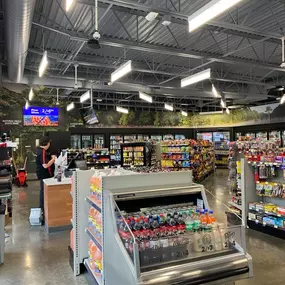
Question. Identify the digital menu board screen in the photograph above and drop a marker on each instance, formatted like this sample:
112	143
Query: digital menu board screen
40	116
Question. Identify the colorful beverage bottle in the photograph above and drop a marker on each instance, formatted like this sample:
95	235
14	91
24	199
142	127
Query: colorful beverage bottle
203	219
211	218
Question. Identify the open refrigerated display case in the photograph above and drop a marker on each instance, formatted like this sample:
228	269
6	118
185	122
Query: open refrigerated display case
115	148
136	154
135	233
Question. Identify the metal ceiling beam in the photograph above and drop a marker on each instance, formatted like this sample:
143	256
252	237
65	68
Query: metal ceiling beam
180	18
143	47
90	63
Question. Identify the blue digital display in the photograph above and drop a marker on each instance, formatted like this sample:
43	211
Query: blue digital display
40	116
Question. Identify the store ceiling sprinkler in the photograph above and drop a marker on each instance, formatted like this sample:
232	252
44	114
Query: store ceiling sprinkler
94	42
31	94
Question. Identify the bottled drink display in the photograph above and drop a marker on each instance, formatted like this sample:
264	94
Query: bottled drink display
169	233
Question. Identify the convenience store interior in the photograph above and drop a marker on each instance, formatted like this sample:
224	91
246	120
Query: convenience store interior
143	88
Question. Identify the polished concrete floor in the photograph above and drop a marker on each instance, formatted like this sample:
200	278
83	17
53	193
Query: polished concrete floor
34	258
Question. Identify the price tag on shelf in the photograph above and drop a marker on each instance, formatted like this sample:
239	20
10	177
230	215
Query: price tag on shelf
279	215
256	221
264	223
275	227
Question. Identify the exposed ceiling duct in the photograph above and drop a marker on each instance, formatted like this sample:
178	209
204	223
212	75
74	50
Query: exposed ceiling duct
18	16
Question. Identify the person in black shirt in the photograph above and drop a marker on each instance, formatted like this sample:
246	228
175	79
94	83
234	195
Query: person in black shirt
45	166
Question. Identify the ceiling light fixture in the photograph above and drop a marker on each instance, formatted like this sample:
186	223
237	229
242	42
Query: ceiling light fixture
145	97
121	71
70	106
205	74
211	113
223	103
209	12
228	111
184	113
282	100
166	20
84	97
99	100
168	107
151	16
214	91
44	64
122	110
31	94
68	4
27	105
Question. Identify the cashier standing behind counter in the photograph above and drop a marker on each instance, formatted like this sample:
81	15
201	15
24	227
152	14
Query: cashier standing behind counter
45	166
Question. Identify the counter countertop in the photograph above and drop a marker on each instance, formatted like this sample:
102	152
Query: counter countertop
53	181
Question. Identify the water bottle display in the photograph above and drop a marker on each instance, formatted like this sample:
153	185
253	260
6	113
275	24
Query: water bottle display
171	233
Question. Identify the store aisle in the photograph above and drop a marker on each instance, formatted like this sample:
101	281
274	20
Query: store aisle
268	252
32	257
35	258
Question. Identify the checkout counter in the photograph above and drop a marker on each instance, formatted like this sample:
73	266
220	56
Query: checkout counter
58	204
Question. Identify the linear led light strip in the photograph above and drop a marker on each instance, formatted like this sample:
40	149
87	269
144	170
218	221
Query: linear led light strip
168	107
43	64
145	97
121	71
84	97
192	79
70	106
209	12
211	113
68	4
122	110
31	94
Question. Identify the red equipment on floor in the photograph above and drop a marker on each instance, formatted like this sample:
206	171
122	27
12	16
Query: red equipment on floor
21	176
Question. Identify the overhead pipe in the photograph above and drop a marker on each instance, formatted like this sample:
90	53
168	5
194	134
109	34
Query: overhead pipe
18	24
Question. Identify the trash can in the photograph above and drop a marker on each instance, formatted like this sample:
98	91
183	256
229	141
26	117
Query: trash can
2	231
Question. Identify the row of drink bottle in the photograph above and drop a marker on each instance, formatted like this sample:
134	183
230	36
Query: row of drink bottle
163	228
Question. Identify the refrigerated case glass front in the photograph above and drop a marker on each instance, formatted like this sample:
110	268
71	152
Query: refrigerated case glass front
143	138
87	141
180	137
170	237
275	135
130	138
156	138
115	148
262	135
168	137
75	141
99	141
207	136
